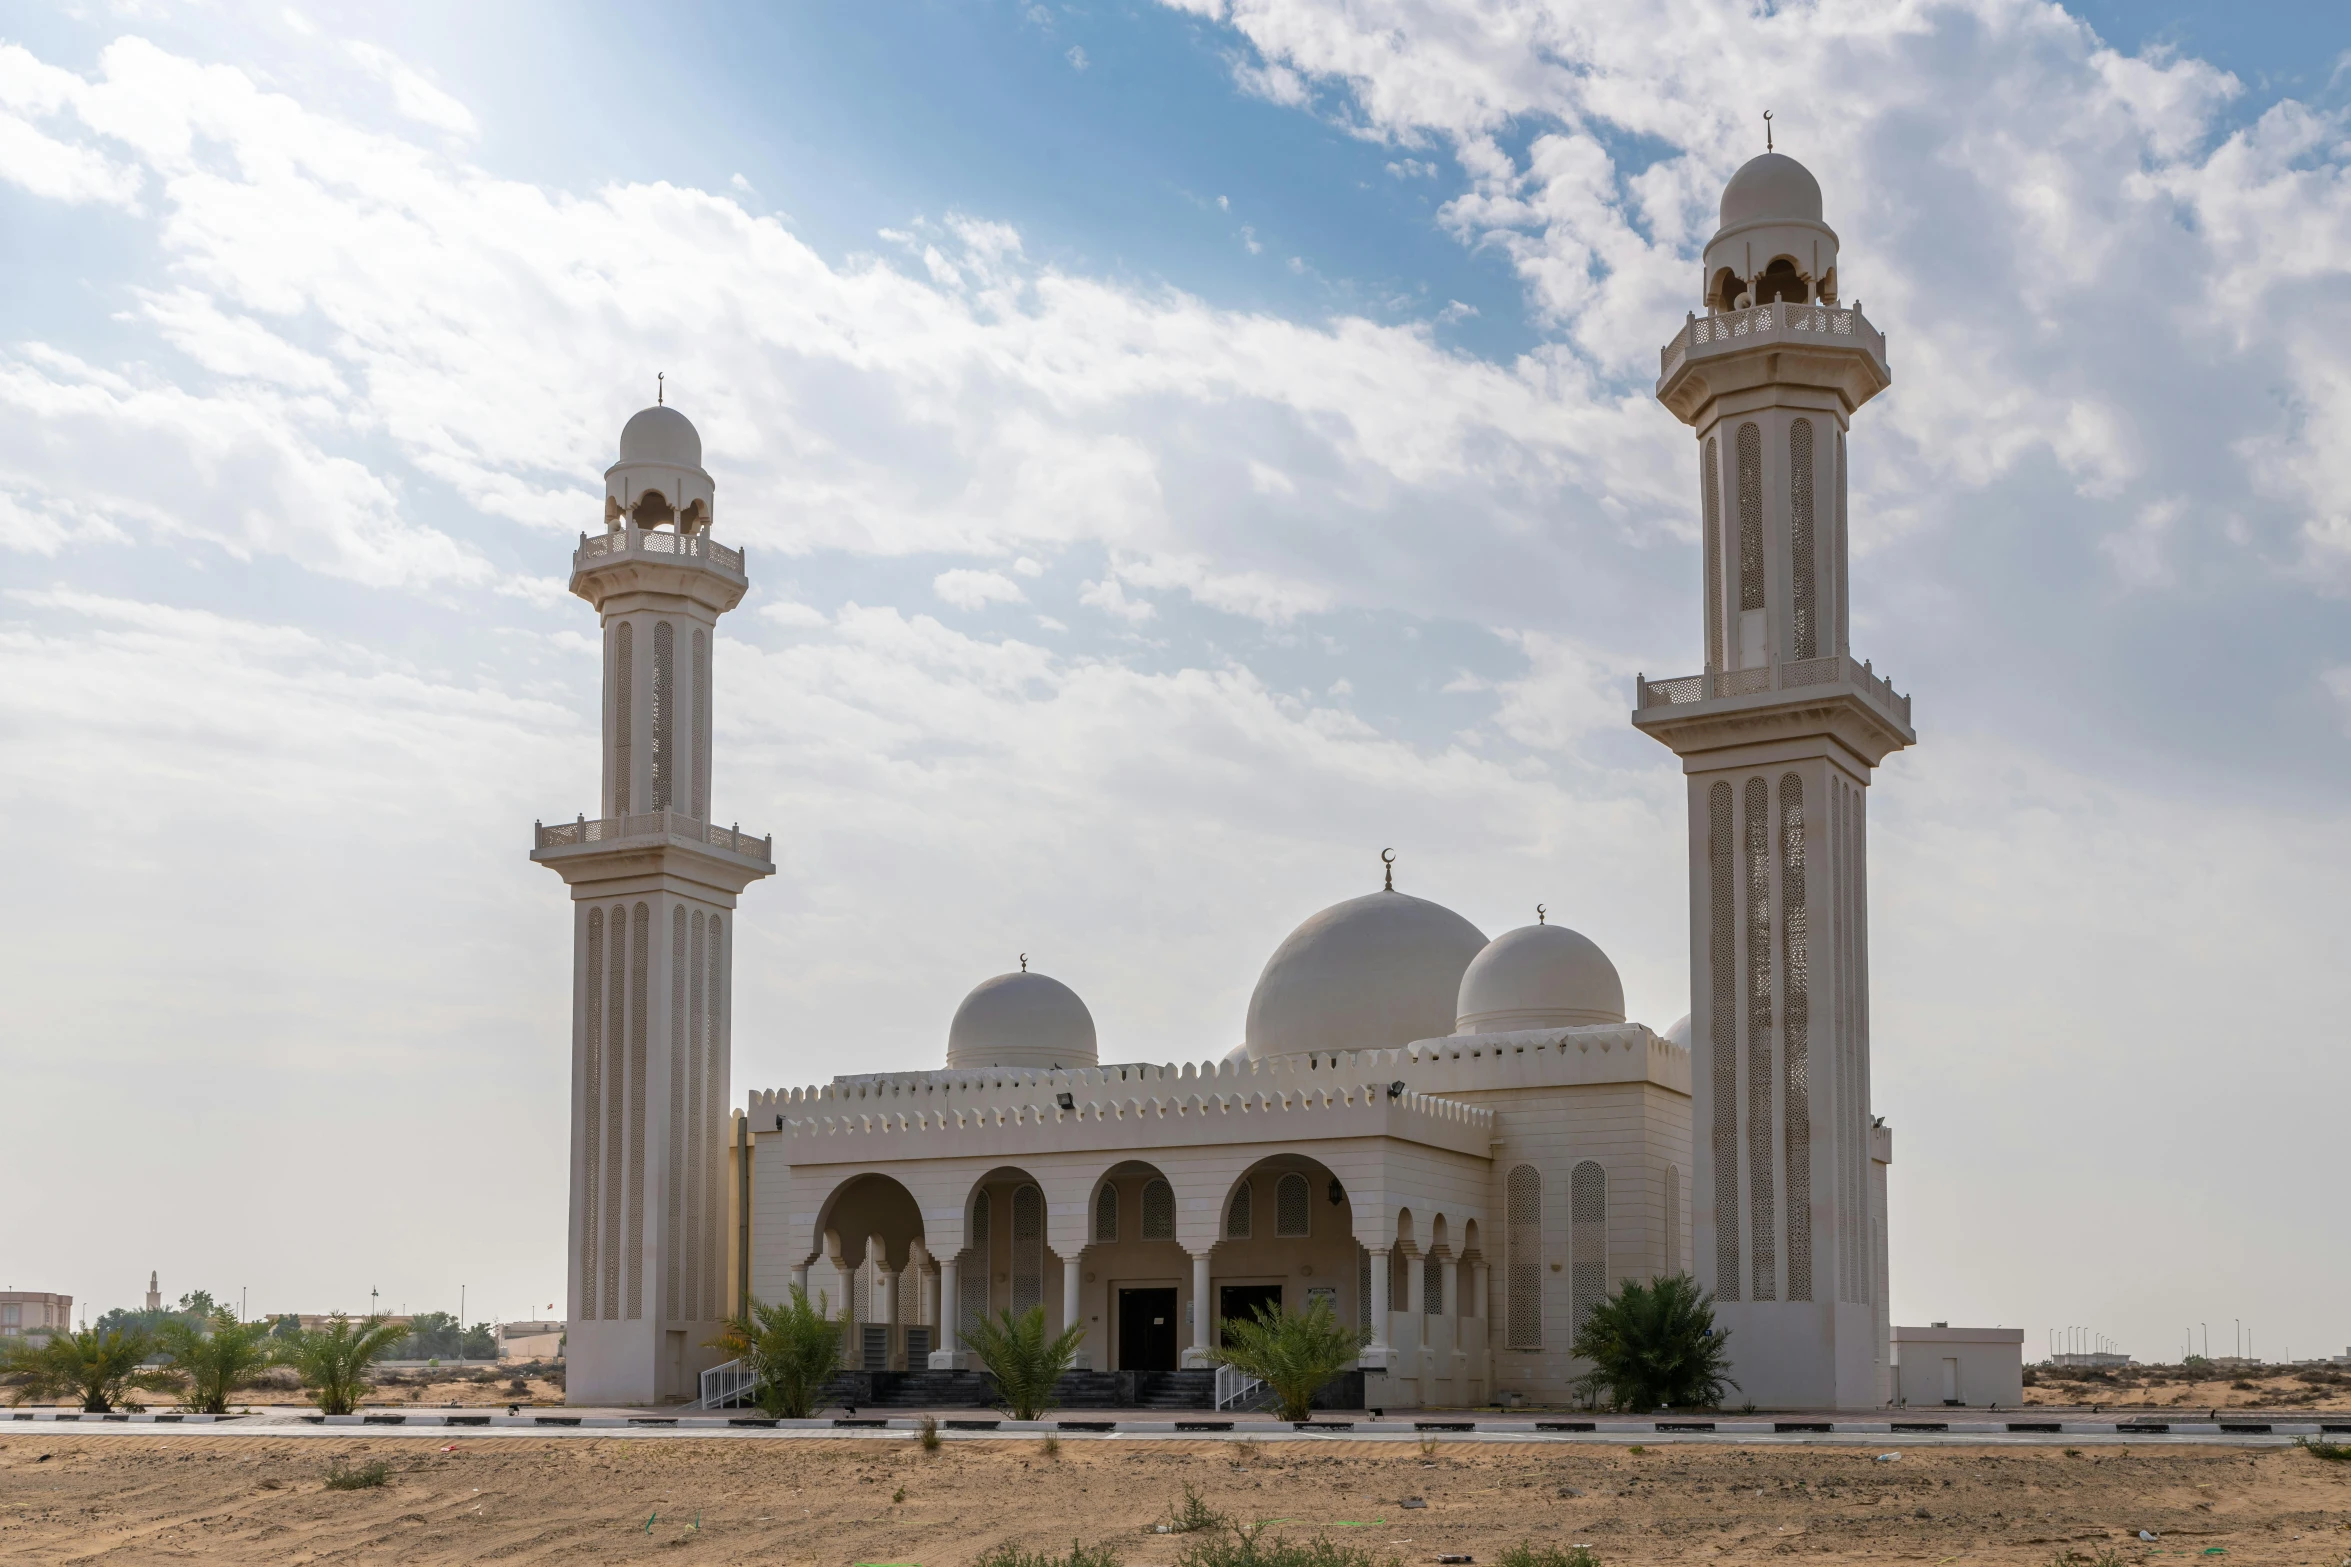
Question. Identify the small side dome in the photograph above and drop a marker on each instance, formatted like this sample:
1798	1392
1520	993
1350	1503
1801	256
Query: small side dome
1680	1032
1027	1021
1538	976
1773	188
1373	973
661	434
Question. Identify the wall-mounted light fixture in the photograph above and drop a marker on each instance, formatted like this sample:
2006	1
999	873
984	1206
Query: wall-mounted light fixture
1066	1099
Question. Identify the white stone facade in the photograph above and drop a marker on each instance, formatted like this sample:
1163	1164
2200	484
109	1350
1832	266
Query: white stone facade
1461	1144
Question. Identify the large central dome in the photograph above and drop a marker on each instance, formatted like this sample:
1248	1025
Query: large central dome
1369	974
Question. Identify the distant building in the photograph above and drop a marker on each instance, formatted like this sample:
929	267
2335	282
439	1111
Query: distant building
530	1340
322	1319
32	1314
1941	1364
2097	1358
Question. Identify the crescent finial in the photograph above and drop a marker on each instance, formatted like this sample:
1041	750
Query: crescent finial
1024	963
1539	914
1767	130
1388	861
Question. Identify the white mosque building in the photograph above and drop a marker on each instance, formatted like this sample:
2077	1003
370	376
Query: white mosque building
1461	1143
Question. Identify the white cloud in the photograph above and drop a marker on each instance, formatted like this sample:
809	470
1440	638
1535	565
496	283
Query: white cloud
413	96
1077	57
966	589
1109	596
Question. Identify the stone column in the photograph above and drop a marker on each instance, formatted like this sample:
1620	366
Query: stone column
949	1355
1197	1355
1073	1312
1485	1300
800	1279
930	1286
1449	1287
885	1311
1378	1353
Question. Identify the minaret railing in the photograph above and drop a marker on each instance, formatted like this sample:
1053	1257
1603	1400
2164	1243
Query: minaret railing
1794	675
1779	319
652	824
633	540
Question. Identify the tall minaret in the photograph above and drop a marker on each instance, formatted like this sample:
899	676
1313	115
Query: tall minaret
653	883
1777	737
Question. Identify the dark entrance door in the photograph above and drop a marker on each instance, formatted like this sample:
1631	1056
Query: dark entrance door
1147	1330
1239	1302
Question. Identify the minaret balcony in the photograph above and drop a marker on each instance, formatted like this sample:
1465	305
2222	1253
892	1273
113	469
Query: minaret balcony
1690	703
657	559
651	829
1829	344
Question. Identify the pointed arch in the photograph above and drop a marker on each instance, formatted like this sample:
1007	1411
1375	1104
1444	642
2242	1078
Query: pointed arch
1523	1236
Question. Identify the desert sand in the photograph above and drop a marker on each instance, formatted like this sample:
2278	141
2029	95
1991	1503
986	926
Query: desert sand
255	1499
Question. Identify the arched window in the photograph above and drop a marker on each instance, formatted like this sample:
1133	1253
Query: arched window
1762	1216
1028	1249
1710	504
1106	1214
1158	1211
616	1055
1780	280
665	756
1291	1207
1236	1216
680	967
1796	1028
1432	1287
701	806
1523	1211
1587	1212
1673	1218
624	679
1750	651
1803	611
591	1112
1722	1031
640	962
972	1283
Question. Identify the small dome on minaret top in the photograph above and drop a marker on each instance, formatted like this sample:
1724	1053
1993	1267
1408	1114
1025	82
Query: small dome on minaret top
1772	244
662	434
659	480
1773	187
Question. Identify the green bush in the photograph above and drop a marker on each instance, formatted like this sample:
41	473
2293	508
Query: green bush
1239	1547
1654	1345
362	1477
223	1357
96	1366
333	1361
2332	1452
1524	1554
1010	1555
791	1348
1025	1363
1293	1355
1193	1515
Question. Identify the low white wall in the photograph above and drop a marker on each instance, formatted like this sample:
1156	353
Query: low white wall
1972	1366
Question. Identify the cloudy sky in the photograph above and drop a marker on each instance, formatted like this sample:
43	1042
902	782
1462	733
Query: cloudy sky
1182	448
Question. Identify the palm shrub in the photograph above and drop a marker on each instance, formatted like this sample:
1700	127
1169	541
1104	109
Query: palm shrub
791	1348
218	1359
97	1366
333	1361
1025	1363
1654	1345
1293	1355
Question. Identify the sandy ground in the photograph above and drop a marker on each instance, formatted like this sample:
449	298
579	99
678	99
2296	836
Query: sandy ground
2151	1388
68	1498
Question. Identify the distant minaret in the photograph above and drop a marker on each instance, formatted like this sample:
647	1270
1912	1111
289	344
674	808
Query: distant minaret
154	1294
653	882
1778	736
